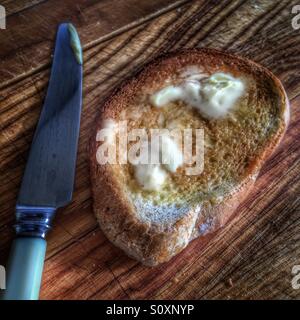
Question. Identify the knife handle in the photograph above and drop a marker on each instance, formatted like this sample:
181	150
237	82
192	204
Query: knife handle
26	261
25	267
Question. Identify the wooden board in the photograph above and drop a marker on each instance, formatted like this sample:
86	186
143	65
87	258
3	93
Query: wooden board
252	257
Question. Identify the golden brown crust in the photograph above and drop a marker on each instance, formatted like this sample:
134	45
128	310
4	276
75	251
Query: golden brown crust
151	243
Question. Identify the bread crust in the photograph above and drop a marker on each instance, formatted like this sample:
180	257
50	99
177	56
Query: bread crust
153	244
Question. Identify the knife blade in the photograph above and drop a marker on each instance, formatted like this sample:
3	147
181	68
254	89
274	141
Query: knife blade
48	179
49	175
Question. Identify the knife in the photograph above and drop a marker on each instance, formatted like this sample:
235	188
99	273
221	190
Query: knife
49	174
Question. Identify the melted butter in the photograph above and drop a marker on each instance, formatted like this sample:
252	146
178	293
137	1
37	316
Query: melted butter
172	157
150	177
166	95
219	94
153	176
213	97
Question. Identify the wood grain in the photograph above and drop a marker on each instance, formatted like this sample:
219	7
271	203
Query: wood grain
31	32
13	7
252	257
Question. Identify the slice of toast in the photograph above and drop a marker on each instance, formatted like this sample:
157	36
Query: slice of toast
154	225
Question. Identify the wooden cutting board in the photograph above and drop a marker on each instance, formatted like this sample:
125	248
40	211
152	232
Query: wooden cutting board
253	256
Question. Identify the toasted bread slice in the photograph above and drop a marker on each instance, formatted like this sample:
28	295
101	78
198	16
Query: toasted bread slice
153	226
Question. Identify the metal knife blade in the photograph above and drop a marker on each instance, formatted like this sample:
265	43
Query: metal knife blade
49	175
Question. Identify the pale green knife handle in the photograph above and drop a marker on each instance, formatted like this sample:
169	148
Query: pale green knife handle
25	267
